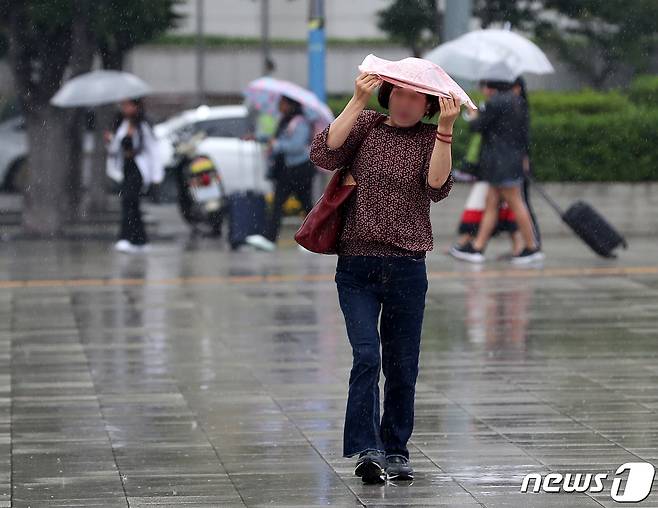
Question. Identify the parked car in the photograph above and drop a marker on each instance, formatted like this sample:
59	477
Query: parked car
240	161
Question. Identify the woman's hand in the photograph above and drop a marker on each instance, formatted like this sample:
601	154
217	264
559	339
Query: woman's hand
449	111
364	87
341	127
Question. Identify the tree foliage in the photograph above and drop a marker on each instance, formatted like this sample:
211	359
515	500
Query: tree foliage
45	39
413	23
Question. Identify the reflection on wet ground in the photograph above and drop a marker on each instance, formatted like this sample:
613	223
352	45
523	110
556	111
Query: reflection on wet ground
194	377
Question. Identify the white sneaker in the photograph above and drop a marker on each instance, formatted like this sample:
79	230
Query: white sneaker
124	246
261	243
130	248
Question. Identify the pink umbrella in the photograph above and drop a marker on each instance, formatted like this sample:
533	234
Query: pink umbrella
416	74
264	94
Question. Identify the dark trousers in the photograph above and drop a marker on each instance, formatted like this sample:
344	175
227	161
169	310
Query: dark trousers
393	288
132	225
297	181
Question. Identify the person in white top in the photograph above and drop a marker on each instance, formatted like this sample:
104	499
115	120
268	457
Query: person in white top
133	162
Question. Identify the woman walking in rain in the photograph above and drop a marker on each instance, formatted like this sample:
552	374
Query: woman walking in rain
400	165
290	169
133	162
504	128
476	201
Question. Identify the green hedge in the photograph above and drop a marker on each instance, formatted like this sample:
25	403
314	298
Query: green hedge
584	136
586	102
547	103
337	104
644	91
605	147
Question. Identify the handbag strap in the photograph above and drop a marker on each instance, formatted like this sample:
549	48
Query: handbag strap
368	131
371	127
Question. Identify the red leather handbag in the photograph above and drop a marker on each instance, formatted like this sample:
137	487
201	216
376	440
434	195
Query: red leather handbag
321	227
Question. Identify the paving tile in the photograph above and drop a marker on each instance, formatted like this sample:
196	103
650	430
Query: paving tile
226	393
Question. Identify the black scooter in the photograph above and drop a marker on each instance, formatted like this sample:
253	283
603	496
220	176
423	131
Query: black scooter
201	196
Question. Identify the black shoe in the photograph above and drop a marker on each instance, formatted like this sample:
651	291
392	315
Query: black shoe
399	469
371	467
528	256
467	252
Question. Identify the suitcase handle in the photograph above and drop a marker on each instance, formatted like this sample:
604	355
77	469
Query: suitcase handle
553	204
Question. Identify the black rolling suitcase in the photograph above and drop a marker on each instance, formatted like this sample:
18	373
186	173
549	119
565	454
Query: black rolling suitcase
246	207
246	216
589	225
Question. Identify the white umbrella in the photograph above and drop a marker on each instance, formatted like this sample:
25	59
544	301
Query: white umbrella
469	55
499	71
99	87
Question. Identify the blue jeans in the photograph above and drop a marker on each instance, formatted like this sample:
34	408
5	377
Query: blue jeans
395	288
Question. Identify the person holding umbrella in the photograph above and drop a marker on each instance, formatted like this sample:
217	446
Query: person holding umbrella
500	57
300	115
290	169
399	165
134	163
133	159
504	129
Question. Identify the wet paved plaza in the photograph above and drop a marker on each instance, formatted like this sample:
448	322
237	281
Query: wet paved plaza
193	377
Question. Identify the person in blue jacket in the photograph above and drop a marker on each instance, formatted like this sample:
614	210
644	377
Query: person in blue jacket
290	167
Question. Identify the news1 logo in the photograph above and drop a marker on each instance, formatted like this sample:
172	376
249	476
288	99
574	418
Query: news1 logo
638	483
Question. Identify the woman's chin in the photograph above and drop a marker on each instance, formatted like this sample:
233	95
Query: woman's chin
404	122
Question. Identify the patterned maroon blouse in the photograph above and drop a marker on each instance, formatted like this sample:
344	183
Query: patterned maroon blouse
389	214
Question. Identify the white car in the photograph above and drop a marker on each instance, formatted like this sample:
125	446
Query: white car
241	163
